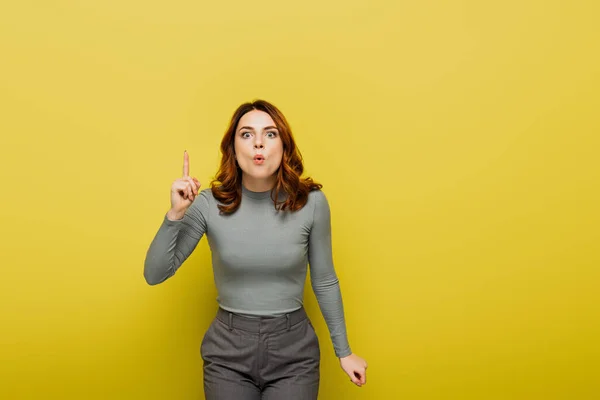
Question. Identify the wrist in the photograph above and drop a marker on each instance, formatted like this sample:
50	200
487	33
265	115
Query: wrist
175	215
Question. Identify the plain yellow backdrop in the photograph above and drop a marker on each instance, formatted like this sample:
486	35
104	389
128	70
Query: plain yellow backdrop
457	143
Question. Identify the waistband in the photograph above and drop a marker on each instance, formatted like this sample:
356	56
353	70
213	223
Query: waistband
261	324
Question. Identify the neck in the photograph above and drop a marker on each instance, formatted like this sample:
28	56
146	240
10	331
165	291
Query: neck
258	184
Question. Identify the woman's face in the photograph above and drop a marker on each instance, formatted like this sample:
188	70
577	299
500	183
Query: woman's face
258	147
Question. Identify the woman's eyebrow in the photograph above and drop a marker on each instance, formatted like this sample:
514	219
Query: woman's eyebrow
251	128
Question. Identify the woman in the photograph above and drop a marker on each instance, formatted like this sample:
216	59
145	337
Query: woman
264	224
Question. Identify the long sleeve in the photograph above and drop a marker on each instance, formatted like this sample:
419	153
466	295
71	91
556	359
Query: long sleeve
176	240
324	279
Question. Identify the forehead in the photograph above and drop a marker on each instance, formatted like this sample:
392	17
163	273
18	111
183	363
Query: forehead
256	119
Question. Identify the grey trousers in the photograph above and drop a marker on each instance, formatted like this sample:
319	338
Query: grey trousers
268	358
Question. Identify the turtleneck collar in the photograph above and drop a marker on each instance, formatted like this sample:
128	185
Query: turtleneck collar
256	195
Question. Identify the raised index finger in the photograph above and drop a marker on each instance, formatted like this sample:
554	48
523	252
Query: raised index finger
186	164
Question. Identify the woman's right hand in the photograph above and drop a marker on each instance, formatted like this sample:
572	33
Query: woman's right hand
183	191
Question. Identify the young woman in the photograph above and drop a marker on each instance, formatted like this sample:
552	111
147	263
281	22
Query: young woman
264	225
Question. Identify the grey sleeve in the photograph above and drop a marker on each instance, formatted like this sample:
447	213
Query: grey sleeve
175	241
323	277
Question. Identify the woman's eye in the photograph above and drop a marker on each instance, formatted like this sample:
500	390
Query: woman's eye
273	134
245	134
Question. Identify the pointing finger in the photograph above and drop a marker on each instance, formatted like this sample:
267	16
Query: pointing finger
186	164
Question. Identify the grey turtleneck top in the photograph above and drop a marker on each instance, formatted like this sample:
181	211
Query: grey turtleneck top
259	256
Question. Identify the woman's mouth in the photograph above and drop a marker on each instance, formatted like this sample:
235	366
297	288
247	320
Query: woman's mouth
259	159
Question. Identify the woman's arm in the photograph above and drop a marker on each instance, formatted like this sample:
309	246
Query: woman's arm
327	290
323	277
175	241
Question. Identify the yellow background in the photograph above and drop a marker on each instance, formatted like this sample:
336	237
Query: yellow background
457	143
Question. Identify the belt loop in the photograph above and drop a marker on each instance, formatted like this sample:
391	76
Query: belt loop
230	321
289	325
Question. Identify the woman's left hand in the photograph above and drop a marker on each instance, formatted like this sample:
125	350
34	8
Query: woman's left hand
356	368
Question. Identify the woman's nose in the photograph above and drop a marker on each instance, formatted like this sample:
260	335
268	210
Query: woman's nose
258	146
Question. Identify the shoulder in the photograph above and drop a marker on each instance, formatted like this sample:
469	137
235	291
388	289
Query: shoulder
316	196
204	200
207	193
318	201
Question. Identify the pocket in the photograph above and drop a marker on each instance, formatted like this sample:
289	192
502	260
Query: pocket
205	337
224	344
314	334
296	349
